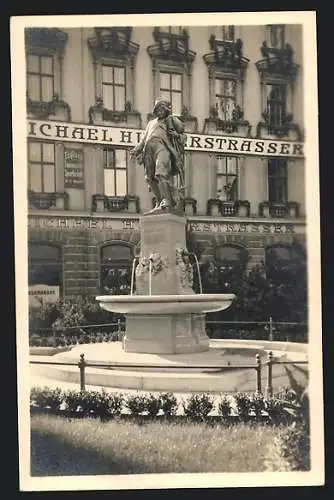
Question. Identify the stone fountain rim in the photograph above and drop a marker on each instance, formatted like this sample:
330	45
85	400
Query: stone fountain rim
198	297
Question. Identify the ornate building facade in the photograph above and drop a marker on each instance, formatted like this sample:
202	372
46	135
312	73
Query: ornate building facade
90	93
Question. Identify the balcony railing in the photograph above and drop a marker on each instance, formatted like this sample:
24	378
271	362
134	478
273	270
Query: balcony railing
279	209
218	207
46	201
102	203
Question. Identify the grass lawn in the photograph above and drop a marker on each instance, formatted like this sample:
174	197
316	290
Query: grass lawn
72	447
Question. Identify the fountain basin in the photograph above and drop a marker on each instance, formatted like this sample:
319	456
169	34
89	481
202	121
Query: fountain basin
165	304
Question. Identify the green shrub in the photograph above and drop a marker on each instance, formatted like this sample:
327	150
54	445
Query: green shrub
153	405
46	398
136	404
224	407
168	404
257	404
275	408
295	446
72	399
115	404
243	403
197	406
35	340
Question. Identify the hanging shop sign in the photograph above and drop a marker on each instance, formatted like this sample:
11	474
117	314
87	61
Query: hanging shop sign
73	168
126	137
40	294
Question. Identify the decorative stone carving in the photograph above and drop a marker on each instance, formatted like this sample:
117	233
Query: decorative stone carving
158	264
184	268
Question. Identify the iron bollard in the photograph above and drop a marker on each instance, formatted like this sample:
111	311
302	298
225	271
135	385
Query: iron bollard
258	374
82	365
269	389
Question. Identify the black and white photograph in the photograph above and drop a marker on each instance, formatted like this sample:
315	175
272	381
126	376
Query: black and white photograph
167	250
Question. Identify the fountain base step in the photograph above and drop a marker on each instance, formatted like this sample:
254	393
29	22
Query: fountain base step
165	334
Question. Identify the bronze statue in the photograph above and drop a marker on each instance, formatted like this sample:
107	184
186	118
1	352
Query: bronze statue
161	151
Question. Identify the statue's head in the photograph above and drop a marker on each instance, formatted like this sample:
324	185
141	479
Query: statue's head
162	107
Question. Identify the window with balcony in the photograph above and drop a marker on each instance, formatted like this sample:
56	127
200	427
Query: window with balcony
115	172
225	98
225	33
114	87
114	58
275	106
41	167
40	77
227	175
172	68
277	180
44	273
171	89
44	52
226	71
115	271
278	72
275	36
172	30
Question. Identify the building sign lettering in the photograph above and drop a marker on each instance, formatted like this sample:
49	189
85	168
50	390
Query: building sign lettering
218	227
73	223
118	136
38	294
73	168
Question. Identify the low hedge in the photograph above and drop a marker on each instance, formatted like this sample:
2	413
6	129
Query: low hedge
284	407
51	341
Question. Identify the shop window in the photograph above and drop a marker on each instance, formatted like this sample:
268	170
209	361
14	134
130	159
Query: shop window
41	167
115	172
116	266
44	272
284	260
275	105
277	180
227	175
113	87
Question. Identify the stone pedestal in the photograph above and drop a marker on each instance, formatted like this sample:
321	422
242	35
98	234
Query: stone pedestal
165	334
164	268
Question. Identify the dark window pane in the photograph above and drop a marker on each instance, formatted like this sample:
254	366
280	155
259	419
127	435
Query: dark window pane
116	252
230	253
38	252
44	275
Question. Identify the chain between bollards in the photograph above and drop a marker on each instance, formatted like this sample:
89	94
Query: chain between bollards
269	388
82	365
258	374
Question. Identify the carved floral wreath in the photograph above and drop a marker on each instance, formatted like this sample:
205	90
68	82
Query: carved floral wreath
155	260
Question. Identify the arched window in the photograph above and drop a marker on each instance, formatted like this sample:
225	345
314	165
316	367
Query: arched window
116	264
283	260
44	272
